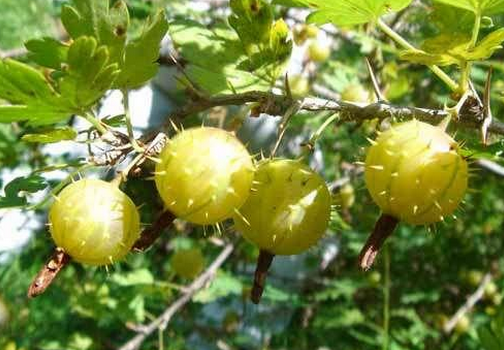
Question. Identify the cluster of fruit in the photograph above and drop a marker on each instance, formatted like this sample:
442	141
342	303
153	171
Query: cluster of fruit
205	175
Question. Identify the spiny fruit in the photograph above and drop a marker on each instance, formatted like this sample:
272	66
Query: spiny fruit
94	222
288	210
205	175
188	263
318	52
415	174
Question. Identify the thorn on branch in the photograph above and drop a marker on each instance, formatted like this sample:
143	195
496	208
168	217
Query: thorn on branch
263	264
384	227
49	271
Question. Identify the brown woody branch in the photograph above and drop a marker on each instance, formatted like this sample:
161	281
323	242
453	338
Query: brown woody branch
162	321
274	104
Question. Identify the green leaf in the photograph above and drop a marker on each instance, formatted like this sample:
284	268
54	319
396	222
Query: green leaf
447	49
349	12
487	46
213	57
223	285
141	54
15	190
47	52
89	74
133	278
51	136
31	95
94	18
477	6
488	340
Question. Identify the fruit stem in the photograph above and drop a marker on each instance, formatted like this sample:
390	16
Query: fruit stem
384	227
151	233
48	273
263	264
310	145
405	44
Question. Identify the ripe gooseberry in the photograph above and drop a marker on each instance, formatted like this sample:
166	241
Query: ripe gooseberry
317	52
94	222
204	175
188	263
415	174
288	210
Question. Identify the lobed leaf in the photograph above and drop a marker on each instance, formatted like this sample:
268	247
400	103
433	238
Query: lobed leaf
347	12
47	52
141	54
15	190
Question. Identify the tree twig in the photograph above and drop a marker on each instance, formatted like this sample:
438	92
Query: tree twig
469	304
163	319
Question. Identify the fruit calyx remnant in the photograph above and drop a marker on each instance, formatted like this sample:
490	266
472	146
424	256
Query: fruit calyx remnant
384	227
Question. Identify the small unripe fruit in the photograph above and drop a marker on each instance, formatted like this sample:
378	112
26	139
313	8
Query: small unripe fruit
288	210
231	322
318	52
347	196
205	174
94	222
374	278
355	93
490	290
415	174
474	277
4	314
463	325
188	263
299	86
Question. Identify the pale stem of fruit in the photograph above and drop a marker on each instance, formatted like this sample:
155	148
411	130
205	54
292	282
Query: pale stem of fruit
401	41
129	126
91	118
386	297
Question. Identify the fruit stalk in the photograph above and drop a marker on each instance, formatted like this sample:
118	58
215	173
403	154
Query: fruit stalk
150	234
384	227
263	264
46	275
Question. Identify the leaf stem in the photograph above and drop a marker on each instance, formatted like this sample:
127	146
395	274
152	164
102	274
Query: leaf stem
91	118
129	126
402	42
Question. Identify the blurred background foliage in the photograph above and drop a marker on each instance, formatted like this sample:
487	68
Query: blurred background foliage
318	300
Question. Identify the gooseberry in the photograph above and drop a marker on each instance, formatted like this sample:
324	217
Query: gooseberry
355	93
299	86
94	222
318	52
204	175
288	210
463	325
415	173
188	263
